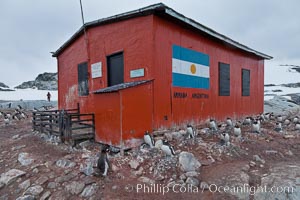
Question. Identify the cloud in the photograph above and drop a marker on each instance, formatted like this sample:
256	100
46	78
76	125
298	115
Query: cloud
31	29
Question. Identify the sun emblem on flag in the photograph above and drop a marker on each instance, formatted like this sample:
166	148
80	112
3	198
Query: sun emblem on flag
193	69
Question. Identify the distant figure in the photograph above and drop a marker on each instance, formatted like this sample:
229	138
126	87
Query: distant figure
48	96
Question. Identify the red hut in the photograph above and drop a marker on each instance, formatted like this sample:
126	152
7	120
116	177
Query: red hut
154	68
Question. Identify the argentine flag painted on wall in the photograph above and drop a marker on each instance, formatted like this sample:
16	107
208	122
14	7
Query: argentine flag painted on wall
190	68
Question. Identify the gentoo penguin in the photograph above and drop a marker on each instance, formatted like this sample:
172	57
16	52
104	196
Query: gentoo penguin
297	126
247	121
237	130
225	138
278	127
6	120
190	131
255	126
213	125
267	116
1	114
286	122
229	122
296	119
148	139
167	148
19	107
103	163
272	116
279	118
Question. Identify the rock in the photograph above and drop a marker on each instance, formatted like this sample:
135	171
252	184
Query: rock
34	190
18	147
182	177
41	180
25	184
188	162
114	187
271	152
51	185
207	162
64	163
45	81
258	159
75	187
11	176
89	190
46	195
252	164
87	168
60	195
169	136
246	168
35	170
1	185
192	181
139	172
177	135
288	136
134	164
146	180
26	197
191	174
15	137
25	159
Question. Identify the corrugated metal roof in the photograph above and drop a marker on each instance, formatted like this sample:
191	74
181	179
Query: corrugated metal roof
121	86
162	10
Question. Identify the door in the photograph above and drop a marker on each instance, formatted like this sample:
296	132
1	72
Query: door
115	71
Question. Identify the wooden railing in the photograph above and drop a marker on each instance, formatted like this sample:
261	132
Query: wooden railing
69	125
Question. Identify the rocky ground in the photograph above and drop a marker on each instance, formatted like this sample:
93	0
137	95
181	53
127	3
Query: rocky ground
36	166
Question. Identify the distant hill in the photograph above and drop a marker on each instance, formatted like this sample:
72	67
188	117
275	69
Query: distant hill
45	81
4	87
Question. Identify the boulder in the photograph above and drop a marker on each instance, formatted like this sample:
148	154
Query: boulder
11	176
188	162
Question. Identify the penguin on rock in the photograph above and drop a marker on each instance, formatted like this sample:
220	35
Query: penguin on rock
167	148
191	132
149	139
103	162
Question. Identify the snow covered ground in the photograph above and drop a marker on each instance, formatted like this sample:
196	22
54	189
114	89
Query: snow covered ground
27	94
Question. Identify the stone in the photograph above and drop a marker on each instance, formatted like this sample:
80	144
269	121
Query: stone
51	185
177	135
18	147
35	170
75	187
25	184
60	195
15	137
64	163
114	168
11	176
182	177
139	172
34	190
192	181
1	185
41	180
191	174
258	159
252	164
46	195
25	159
134	164
114	187
288	136
169	136
87	169
26	197
146	180
188	162
89	190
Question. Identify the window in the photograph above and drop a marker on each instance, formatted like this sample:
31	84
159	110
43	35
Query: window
83	84
224	79
245	82
115	71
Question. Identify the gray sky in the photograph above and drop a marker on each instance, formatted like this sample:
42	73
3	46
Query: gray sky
30	29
